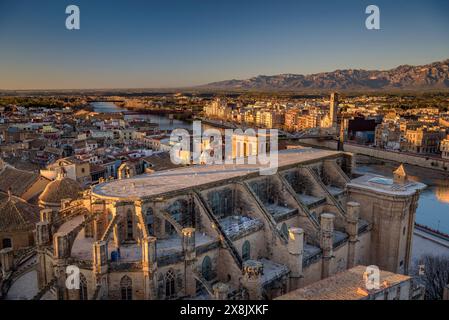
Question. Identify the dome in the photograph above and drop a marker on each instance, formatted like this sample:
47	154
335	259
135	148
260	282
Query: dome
59	189
16	214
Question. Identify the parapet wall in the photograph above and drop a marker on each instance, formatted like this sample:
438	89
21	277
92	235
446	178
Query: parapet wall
401	157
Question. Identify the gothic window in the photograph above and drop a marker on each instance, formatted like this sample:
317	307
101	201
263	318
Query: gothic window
206	268
284	230
126	288
170	288
246	251
6	243
129	225
83	287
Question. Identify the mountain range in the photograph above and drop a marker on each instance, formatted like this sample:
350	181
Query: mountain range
405	77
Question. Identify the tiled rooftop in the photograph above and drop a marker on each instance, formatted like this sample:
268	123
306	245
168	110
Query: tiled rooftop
343	286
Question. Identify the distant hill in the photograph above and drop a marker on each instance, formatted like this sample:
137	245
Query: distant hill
405	77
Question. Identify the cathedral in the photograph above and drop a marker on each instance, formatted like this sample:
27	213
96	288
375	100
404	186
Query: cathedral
220	231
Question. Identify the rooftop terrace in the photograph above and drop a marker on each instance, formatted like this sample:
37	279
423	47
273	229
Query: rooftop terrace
377	183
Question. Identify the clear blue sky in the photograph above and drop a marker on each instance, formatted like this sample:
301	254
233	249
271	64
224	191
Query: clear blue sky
125	44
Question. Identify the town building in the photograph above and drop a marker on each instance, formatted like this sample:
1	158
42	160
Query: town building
388	136
422	140
444	148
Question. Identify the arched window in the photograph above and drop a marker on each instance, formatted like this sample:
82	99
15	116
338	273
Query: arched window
170	291
126	288
129	225
246	251
284	230
6	243
83	287
206	268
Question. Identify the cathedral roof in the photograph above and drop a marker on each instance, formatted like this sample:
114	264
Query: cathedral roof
16	213
59	189
160	182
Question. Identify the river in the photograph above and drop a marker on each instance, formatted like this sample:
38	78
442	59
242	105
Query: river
164	122
433	207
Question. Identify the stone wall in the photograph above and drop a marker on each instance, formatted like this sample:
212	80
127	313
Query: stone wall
362	250
388	215
339	260
312	273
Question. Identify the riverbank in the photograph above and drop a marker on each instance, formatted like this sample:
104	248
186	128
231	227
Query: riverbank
425	243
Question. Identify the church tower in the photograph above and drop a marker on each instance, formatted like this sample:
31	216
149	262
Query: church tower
333	109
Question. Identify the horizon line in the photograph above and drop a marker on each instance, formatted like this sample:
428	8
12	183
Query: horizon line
204	86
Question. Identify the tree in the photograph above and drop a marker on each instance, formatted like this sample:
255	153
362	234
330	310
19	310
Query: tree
433	273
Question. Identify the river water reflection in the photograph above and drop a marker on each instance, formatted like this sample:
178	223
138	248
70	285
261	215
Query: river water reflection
164	122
